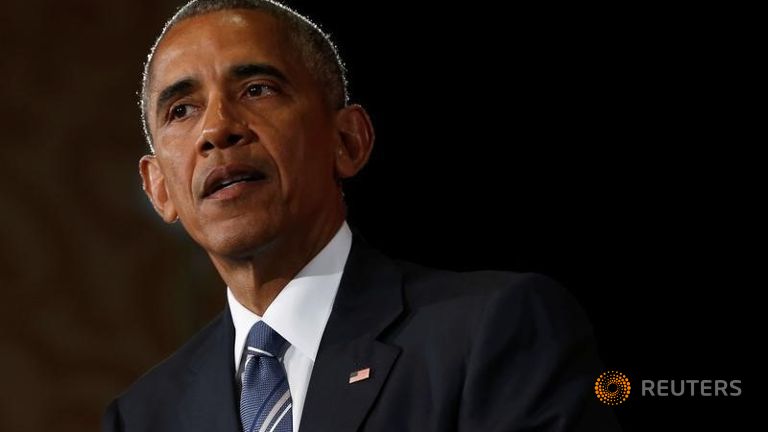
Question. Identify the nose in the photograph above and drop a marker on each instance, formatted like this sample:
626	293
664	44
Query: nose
222	128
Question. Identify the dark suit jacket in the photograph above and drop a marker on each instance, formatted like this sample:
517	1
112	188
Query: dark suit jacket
479	351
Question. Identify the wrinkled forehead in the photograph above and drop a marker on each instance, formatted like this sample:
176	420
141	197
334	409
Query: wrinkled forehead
214	41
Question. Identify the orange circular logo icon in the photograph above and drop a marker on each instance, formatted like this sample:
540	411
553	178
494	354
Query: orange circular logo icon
612	387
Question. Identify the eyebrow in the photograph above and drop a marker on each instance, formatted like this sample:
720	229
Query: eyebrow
252	69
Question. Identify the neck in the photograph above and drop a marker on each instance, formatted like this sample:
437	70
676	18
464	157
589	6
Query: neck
257	280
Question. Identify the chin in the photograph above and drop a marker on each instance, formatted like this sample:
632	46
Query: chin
239	239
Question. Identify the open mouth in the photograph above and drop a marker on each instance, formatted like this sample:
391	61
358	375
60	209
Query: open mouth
229	176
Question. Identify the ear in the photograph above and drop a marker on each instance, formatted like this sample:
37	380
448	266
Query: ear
153	182
356	143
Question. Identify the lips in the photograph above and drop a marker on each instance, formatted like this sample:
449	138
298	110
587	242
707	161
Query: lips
226	176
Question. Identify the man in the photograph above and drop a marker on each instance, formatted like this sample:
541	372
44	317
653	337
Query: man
244	105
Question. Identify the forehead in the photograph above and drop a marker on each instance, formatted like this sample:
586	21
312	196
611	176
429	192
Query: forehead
214	41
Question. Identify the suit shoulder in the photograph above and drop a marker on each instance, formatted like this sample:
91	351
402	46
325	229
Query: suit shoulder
425	283
528	297
162	378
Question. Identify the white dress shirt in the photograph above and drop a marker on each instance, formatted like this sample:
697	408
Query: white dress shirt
299	314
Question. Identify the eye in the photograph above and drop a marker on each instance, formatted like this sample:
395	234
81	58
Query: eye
179	111
258	90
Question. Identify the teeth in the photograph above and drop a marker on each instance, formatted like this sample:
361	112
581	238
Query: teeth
236	179
231	181
226	183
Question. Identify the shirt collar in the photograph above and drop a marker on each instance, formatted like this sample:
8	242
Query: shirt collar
301	310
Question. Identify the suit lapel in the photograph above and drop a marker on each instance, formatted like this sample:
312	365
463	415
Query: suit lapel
210	402
369	299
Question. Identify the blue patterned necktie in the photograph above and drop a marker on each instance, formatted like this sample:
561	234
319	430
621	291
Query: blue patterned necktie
265	399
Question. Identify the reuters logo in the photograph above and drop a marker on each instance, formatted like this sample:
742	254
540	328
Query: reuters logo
612	387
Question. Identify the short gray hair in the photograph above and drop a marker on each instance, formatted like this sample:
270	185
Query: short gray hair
318	52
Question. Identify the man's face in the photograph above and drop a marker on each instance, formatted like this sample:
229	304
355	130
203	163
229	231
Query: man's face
245	142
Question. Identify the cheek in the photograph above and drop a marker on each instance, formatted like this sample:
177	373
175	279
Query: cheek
307	176
303	158
179	172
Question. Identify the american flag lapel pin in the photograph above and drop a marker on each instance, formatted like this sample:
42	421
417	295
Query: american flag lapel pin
359	375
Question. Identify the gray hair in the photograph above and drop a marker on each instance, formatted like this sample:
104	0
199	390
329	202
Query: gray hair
315	47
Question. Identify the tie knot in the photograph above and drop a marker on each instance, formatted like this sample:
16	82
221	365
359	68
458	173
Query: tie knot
264	340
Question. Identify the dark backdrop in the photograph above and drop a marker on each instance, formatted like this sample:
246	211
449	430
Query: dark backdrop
615	149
